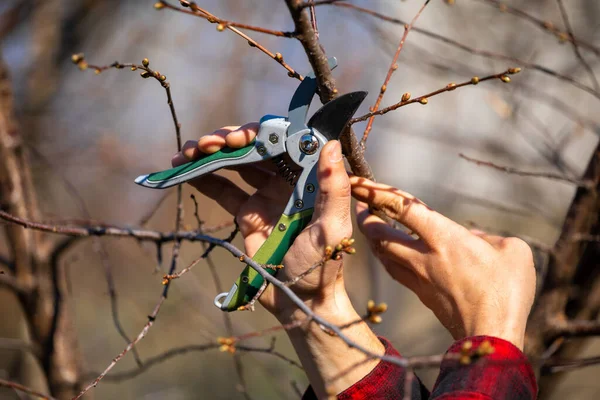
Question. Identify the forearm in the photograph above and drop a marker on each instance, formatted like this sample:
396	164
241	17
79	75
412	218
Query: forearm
330	364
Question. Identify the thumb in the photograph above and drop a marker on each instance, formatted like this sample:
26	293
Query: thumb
332	206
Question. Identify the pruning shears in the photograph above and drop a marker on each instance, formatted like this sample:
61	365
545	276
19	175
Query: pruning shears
279	139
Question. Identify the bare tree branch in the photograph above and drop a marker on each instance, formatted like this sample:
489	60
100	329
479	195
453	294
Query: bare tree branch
575	328
547	175
167	355
393	67
575	43
221	23
25	389
480	52
424	99
11	282
546	26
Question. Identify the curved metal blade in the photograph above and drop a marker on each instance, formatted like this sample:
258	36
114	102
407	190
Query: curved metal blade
302	98
331	119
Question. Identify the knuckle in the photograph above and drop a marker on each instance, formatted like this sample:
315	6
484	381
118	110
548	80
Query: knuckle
396	204
517	246
379	246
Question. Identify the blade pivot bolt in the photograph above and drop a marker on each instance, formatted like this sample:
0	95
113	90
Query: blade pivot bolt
298	204
273	138
282	227
310	188
261	150
309	144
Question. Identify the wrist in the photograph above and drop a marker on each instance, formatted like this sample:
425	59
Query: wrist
512	331
331	365
336	309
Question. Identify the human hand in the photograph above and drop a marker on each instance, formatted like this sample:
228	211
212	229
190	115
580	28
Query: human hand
256	215
475	284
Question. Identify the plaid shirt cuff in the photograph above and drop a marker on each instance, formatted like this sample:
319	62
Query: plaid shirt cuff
504	374
385	381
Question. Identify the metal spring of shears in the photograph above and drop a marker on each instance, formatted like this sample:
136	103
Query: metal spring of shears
285	171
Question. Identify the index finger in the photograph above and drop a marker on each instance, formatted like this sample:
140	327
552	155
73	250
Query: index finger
431	226
231	136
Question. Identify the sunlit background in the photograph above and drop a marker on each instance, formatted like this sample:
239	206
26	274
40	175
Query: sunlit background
92	135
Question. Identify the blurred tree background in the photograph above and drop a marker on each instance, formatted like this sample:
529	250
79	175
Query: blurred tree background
87	137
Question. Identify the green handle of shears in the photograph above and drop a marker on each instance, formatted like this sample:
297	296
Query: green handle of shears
270	253
207	163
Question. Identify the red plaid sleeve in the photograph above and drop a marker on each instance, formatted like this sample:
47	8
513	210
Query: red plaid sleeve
504	374
385	381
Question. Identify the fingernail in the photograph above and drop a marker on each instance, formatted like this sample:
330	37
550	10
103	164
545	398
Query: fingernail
335	154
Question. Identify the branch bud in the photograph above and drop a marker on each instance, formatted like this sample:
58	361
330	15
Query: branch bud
451	86
145	74
406	97
77	58
548	25
133	68
383	88
475	80
82	65
145	62
505	78
278	57
184	3
424	101
220	27
159	5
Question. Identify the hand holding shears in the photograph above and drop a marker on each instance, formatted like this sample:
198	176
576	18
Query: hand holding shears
294	147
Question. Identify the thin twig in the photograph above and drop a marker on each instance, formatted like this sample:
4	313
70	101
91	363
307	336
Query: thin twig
393	67
313	3
479	52
575	328
253	43
142	334
25	389
152	211
554	366
546	26
424	99
167	355
11	282
575	43
224	23
515	171
107	230
585	237
237	361
98	248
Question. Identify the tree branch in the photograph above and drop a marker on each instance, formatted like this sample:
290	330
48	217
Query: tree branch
575	43
548	175
393	67
222	23
575	328
25	389
480	52
11	282
424	99
326	84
